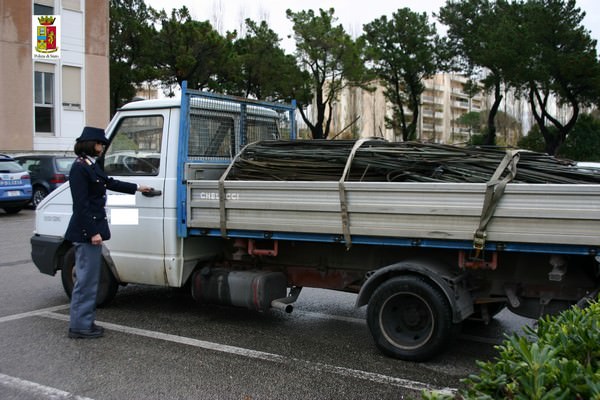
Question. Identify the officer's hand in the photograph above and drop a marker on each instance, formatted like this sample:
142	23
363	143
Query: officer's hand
144	188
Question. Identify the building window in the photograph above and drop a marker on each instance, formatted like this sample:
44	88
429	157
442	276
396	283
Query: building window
44	97
71	88
74	5
43	7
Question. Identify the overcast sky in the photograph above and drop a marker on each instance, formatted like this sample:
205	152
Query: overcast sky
230	14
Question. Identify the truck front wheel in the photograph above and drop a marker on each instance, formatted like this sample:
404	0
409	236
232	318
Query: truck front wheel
409	318
107	288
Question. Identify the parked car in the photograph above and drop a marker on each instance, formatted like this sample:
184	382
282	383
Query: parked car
47	171
15	185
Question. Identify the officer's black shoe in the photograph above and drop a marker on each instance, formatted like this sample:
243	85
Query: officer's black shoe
98	327
95	332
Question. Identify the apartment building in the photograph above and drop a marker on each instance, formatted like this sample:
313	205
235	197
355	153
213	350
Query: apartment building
45	103
361	113
442	103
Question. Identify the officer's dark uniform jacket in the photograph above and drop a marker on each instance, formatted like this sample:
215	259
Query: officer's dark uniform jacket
88	188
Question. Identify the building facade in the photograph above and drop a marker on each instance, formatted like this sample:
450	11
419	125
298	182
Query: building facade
361	113
443	102
44	104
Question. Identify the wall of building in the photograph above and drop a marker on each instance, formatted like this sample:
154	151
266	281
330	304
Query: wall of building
80	77
360	113
16	96
97	62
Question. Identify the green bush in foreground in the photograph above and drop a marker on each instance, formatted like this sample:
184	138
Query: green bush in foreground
560	359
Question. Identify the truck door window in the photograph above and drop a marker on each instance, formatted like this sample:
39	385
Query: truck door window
211	136
135	147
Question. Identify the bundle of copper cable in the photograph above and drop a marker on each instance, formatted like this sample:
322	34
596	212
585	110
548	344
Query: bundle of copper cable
377	160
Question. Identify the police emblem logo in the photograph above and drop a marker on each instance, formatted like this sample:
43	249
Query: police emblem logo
46	37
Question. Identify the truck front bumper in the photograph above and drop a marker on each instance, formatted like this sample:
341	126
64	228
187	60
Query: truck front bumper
44	251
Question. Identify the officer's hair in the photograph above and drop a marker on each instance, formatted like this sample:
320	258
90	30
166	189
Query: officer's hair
85	148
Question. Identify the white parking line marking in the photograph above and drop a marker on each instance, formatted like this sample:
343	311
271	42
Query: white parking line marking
33	313
261	355
330	316
37	389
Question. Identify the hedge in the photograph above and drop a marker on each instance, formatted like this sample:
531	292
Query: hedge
560	359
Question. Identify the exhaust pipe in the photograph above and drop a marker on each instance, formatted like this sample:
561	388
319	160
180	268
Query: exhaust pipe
285	303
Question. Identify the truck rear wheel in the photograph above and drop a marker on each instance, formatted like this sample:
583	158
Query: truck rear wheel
107	288
409	318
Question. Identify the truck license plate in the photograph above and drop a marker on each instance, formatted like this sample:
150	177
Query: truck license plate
12	193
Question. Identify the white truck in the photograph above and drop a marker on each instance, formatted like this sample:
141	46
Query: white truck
407	249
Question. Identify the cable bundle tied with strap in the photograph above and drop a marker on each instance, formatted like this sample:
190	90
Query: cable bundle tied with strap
505	173
375	160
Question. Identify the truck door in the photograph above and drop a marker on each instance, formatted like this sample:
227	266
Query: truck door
137	154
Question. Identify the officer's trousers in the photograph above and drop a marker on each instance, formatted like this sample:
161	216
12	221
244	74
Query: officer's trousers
88	263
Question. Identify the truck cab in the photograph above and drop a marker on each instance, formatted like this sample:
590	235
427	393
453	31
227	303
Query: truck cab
145	148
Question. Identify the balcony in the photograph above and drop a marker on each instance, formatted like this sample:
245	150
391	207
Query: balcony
459	92
432	100
463	105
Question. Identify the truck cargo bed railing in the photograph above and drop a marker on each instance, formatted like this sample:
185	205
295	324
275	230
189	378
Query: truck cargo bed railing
213	128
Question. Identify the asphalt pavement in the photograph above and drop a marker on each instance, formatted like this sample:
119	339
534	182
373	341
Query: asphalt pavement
159	344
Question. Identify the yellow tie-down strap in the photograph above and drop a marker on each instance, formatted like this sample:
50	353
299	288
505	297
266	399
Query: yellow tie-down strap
506	172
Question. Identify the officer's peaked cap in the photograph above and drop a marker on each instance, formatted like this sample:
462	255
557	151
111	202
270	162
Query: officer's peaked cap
92	134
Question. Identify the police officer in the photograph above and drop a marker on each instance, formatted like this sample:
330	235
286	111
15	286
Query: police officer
88	228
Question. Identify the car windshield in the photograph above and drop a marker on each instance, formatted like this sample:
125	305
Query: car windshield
9	166
64	164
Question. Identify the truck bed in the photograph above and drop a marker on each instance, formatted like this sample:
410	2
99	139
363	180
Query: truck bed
547	214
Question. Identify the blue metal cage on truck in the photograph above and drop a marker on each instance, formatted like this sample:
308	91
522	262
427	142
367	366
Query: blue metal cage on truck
208	134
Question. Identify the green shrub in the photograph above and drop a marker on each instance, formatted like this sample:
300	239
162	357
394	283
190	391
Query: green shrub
560	359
